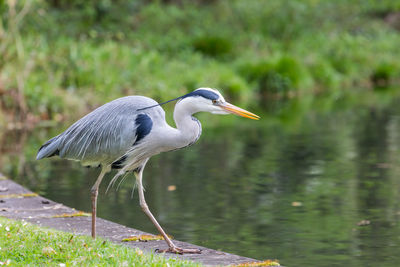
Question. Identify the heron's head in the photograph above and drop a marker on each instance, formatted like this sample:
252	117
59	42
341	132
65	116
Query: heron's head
210	100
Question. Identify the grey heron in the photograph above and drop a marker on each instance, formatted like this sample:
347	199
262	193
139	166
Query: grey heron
124	133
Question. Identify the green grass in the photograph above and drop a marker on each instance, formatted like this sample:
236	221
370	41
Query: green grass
24	244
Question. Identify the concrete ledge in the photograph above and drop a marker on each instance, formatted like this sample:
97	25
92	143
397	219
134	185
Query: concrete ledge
17	202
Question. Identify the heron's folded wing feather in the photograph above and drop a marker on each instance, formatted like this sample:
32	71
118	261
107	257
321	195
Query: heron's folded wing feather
104	134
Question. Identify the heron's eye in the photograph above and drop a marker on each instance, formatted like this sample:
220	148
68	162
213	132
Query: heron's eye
214	101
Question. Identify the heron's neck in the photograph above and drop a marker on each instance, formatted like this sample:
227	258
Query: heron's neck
188	127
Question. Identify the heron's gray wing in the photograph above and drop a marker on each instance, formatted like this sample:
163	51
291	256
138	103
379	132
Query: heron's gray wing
106	133
98	139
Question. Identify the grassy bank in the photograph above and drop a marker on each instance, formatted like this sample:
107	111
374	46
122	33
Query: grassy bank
59	56
24	244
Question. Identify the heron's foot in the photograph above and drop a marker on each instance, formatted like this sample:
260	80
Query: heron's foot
177	250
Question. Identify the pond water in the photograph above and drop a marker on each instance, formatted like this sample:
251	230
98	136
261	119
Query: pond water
317	188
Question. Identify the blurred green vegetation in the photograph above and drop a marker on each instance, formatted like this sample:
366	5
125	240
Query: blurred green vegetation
60	55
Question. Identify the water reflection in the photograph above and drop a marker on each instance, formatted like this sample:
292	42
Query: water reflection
270	190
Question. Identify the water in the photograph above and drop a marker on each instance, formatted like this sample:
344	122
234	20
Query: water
316	188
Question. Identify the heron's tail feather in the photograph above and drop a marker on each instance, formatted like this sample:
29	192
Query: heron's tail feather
49	149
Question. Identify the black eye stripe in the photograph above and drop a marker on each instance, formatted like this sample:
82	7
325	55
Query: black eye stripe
207	94
203	93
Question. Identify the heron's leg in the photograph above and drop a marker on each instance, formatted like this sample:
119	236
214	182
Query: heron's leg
94	192
172	248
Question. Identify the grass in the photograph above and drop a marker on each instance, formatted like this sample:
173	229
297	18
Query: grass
24	244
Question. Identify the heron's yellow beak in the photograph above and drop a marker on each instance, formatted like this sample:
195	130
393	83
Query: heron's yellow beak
238	111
